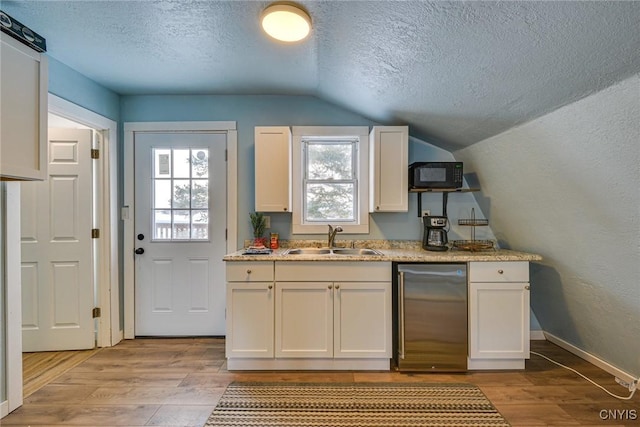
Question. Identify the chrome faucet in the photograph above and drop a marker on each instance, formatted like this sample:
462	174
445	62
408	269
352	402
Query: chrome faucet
332	234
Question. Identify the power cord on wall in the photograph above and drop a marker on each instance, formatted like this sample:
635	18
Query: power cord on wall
588	379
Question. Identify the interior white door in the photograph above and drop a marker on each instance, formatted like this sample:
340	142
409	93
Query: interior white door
180	223
57	264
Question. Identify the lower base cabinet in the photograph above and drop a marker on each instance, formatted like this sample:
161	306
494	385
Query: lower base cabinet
292	323
498	315
333	319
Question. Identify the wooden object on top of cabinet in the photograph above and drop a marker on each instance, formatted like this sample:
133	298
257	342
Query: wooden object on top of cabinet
272	169
389	162
23	121
498	315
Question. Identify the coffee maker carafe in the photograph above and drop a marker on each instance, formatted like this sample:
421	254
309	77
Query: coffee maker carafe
435	235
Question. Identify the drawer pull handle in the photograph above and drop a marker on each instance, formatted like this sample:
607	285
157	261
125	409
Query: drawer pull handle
248	271
270	286
500	271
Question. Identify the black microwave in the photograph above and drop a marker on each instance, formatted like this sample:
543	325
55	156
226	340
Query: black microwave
435	175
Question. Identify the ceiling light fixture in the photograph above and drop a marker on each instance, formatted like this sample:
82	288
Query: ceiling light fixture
286	22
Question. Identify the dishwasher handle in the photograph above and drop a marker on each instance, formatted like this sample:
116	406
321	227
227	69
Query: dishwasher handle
401	314
457	273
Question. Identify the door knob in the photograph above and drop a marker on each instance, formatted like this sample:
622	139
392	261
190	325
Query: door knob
139	251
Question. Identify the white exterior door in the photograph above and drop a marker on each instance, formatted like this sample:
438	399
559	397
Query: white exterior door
57	255
180	227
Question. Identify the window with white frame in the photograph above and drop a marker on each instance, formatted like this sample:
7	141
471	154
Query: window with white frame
330	185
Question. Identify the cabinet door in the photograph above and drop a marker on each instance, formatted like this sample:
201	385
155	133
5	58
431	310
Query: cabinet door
273	169
499	320
389	155
304	319
362	320
249	320
23	106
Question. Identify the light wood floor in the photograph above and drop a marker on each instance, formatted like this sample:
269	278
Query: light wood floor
177	382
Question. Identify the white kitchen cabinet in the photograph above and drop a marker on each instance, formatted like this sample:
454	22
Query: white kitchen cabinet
23	111
308	315
389	159
250	310
498	315
333	319
347	315
272	169
304	319
362	321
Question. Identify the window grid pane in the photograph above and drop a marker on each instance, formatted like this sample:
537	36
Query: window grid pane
330	184
181	194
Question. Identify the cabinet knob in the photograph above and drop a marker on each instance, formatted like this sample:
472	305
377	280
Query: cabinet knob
330	287
500	271
337	286
284	209
248	271
377	208
527	287
270	286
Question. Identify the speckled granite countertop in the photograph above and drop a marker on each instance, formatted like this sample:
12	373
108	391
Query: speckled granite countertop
401	251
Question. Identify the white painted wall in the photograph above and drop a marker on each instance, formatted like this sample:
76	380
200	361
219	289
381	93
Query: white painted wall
567	186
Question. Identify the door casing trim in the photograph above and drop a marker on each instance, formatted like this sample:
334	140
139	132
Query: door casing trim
128	207
109	331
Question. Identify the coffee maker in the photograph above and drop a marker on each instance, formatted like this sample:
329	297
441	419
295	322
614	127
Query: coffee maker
435	235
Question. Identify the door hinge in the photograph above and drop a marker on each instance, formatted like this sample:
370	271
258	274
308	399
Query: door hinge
96	312
95	154
226	234
95	233
226	155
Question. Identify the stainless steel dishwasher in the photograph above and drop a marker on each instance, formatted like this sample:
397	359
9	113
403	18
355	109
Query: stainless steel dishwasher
431	317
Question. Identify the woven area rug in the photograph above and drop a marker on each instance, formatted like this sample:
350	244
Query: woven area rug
354	405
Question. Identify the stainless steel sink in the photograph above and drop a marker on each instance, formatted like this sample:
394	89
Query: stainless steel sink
355	252
327	251
308	251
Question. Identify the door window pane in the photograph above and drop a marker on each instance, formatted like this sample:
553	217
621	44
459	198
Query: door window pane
200	225
181	194
200	163
162	189
181	163
199	193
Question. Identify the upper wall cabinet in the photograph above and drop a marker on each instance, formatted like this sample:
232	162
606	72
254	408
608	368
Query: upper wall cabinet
389	154
23	111
273	169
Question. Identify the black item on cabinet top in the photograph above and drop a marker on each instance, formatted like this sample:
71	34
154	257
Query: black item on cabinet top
22	33
435	175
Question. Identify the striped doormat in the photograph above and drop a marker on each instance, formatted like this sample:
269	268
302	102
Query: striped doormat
353	405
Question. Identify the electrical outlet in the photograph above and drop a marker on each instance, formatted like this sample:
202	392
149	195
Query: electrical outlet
267	221
629	386
426	212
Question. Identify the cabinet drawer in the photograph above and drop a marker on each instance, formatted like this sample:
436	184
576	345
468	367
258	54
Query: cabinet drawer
249	271
339	271
499	271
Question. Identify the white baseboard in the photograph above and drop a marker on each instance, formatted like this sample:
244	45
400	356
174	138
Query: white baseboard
4	409
537	335
604	365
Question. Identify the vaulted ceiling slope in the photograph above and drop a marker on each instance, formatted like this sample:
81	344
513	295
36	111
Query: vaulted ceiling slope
456	72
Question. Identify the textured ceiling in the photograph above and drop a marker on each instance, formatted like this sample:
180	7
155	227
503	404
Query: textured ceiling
456	72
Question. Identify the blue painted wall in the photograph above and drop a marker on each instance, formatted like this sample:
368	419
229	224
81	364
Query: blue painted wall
74	87
249	111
